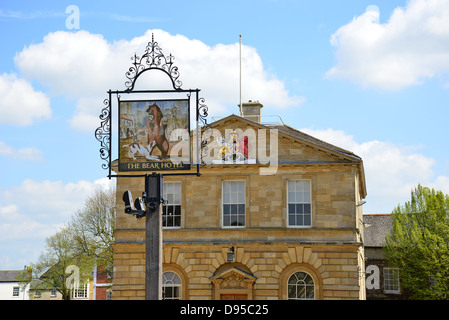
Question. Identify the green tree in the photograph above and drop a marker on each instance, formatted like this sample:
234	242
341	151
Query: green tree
51	271
85	241
418	244
93	228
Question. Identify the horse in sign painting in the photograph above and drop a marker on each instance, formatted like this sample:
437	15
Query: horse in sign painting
156	127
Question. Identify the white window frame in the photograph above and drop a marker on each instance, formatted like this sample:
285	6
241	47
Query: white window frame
81	292
300	282
224	201
168	283
16	291
389	277
301	201
176	200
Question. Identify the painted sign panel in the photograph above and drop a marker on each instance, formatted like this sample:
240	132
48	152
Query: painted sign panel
154	135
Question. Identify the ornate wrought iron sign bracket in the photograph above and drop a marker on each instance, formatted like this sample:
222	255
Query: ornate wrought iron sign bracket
153	58
143	129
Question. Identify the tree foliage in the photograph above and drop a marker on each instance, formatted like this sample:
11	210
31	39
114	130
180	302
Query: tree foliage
93	228
418	244
84	242
50	271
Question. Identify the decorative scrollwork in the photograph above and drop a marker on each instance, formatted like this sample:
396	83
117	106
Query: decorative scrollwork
153	58
203	111
206	129
102	134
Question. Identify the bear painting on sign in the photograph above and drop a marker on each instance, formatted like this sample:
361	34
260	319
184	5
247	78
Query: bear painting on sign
149	131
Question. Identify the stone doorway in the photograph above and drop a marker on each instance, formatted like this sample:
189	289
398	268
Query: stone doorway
232	284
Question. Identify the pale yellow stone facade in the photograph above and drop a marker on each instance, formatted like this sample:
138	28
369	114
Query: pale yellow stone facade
267	250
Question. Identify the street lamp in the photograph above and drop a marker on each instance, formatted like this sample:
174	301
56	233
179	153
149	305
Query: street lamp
231	254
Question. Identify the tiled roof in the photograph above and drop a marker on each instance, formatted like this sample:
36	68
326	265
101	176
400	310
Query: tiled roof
9	275
378	229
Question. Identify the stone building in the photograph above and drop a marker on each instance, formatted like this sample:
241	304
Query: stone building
382	280
289	227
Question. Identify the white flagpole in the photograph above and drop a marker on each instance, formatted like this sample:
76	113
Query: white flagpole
240	85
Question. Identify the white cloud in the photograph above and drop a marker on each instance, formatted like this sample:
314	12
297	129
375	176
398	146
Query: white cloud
391	171
9	212
84	66
32	154
75	64
86	117
50	198
25	229
45	202
34	210
412	46
20	104
441	183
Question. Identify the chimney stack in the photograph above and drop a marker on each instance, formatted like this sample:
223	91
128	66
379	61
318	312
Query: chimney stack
251	110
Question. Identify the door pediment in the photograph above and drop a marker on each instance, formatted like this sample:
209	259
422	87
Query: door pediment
232	281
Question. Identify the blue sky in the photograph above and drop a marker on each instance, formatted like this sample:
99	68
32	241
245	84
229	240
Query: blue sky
368	76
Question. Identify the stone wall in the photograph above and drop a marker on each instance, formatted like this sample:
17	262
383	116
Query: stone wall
330	249
333	267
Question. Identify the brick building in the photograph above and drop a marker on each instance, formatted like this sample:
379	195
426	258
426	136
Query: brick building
237	232
101	284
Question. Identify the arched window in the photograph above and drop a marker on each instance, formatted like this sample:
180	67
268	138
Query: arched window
171	286
300	287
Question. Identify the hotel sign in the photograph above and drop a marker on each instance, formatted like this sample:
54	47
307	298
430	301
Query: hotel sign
154	135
